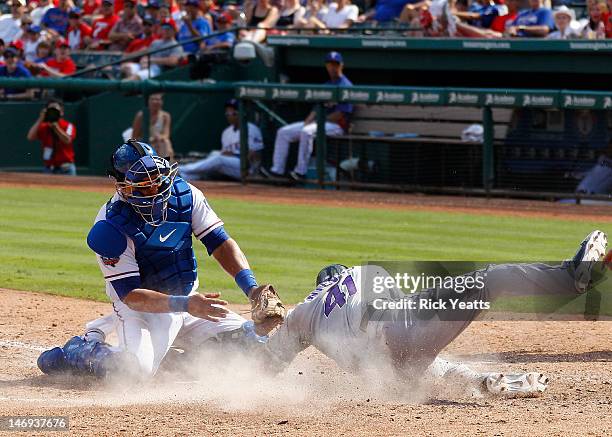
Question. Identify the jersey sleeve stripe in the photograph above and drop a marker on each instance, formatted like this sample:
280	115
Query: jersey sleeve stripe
125	274
208	229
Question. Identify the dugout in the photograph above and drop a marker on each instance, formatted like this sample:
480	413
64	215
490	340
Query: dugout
535	142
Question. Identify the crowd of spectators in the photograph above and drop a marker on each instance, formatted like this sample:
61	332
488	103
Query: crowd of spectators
496	18
39	37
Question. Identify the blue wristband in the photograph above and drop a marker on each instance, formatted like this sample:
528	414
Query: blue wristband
178	304
246	280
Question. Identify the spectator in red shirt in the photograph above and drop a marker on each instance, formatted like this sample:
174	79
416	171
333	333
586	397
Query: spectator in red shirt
165	16
62	64
2	47
91	9
56	136
501	22
119	6
127	28
78	33
608	19
18	46
144	40
498	25
102	26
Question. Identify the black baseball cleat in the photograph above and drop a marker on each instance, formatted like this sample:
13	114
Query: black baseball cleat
269	174
297	177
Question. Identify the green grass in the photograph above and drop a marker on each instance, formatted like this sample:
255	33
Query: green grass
43	231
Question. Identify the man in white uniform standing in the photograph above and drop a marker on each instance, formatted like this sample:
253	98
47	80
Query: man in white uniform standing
226	162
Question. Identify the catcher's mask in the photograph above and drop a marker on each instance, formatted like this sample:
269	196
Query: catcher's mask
146	182
330	272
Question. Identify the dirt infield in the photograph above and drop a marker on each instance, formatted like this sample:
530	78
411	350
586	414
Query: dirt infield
313	396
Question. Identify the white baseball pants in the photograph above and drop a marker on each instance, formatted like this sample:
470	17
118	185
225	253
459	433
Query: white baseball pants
598	180
148	336
305	134
215	164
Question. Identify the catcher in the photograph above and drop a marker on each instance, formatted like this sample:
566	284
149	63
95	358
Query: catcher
142	238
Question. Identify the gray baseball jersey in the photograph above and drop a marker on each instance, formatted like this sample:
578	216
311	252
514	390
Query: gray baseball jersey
333	320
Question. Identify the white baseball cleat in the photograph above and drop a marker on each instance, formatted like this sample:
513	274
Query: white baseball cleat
591	250
516	385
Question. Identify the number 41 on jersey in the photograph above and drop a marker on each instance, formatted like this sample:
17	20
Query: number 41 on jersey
338	294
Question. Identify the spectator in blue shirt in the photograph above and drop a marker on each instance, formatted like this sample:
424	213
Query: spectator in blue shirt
193	26
337	121
481	13
13	68
214	50
388	10
223	41
535	22
55	20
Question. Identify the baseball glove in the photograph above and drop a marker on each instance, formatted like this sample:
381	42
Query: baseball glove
267	310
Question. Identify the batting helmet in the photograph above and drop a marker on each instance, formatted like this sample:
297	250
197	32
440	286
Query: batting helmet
330	272
144	180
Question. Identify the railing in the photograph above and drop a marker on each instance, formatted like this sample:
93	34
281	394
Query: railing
148	53
145	87
235	29
319	95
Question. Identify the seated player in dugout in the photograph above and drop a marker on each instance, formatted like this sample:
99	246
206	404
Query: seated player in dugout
598	179
225	163
142	239
337	123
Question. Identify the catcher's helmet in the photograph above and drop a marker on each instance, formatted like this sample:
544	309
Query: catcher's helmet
144	180
330	272
126	155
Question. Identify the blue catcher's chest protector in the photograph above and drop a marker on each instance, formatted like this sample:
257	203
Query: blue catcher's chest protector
164	253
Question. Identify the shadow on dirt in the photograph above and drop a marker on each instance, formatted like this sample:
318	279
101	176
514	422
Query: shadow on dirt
64	382
531	357
450	403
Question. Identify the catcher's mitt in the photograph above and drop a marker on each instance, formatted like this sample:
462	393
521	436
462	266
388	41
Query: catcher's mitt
267	310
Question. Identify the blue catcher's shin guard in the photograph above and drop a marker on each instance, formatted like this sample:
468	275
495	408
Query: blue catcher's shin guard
52	361
97	358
